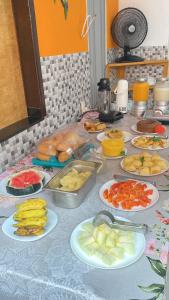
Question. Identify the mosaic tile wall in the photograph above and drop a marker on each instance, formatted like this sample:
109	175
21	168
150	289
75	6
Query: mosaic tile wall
148	53
66	81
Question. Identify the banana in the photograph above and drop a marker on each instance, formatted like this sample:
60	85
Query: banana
31	222
37	213
30	204
30	217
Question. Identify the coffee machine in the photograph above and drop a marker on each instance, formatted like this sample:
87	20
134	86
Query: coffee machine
106	114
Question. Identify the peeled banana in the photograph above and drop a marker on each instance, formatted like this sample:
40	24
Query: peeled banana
32	222
36	203
31	217
19	216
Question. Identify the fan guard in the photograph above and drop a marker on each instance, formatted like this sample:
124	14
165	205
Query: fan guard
129	29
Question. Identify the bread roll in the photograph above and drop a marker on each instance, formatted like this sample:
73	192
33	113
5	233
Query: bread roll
62	147
58	138
47	149
49	141
63	156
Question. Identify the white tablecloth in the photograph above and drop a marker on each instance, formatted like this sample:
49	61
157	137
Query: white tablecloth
48	270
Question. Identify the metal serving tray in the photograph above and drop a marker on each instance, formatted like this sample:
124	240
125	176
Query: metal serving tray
157	115
73	199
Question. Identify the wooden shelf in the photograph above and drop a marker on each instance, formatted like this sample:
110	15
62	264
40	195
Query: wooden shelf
121	67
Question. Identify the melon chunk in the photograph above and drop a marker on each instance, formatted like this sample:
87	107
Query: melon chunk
106	244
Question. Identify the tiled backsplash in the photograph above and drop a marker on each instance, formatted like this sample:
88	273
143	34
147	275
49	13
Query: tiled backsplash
148	53
66	81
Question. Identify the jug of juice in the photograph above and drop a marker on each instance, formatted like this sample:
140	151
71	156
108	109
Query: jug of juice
140	91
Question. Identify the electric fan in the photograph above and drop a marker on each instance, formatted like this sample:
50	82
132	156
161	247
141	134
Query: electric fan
129	29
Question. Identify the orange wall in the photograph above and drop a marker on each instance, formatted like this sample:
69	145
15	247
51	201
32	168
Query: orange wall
112	9
57	35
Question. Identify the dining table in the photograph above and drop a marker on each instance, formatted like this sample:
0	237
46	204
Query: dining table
47	269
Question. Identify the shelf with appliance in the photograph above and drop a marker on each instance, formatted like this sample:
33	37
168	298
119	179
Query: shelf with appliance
121	67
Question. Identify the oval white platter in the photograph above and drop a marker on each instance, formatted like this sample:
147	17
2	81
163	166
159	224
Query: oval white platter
134	128
149	148
127	136
154	197
93	261
8	229
99	152
97	131
3	184
135	173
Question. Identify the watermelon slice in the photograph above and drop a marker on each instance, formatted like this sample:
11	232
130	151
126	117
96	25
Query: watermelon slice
25	182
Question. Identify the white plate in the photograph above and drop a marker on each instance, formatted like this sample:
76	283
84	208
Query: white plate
3	184
154	197
99	152
135	173
134	128
149	148
8	229
97	131
93	261
127	136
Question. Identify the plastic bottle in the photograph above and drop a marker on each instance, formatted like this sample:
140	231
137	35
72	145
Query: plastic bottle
121	93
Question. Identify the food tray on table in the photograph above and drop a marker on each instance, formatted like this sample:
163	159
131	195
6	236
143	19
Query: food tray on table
65	187
55	163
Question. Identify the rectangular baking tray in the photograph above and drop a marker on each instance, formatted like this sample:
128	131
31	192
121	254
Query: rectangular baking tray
73	199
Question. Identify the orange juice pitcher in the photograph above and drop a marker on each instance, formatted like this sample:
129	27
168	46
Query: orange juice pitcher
140	91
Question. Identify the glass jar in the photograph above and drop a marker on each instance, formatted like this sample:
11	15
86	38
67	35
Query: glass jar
141	90
161	91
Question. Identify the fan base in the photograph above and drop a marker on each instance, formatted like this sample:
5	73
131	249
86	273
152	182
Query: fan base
129	58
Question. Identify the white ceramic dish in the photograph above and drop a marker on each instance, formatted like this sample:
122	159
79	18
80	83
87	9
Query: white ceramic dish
135	173
94	261
8	229
99	153
134	128
127	136
4	181
149	148
96	131
154	197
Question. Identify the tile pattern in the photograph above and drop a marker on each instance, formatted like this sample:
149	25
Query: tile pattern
66	81
148	53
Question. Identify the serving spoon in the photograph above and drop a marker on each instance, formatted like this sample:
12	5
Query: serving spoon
105	217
